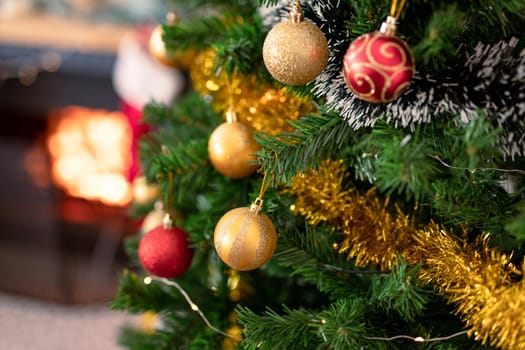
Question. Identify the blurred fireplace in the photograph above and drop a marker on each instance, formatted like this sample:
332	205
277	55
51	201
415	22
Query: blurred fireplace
90	154
55	243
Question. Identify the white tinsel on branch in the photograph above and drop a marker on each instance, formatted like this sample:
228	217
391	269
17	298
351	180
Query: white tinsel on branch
489	79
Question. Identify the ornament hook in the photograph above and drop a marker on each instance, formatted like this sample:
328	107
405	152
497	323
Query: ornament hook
231	115
256	206
167	222
296	14
389	26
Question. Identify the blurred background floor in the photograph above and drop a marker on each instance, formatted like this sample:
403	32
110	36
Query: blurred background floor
29	324
59	254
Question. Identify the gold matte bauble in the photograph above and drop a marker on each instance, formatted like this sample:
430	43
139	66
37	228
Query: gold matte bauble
245	239
157	48
232	149
295	52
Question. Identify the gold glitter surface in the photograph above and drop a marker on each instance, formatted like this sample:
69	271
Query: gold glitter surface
245	240
295	53
259	105
473	277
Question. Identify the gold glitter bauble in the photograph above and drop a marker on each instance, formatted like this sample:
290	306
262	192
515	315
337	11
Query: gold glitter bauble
295	52
157	48
245	238
259	105
232	149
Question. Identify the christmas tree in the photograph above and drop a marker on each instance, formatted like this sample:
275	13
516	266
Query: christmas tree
338	175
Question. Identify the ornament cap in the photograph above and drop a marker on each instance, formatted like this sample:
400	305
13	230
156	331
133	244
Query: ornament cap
167	222
256	206
231	116
296	15
389	26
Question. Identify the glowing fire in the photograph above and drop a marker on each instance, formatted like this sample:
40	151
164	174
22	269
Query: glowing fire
90	151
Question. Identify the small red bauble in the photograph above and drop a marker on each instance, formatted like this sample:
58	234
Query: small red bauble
378	67
165	252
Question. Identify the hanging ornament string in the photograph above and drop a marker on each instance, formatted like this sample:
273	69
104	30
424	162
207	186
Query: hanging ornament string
265	182
231	91
395	11
297	7
230	113
264	187
167	195
167	220
389	27
167	203
193	306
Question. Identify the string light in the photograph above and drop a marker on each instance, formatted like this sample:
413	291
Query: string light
519	171
148	280
420	339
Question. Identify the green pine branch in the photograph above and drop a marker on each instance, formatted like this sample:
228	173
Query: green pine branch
471	167
317	137
196	7
240	47
309	253
438	44
400	161
189	117
366	16
289	331
516	225
238	43
400	292
136	339
341	326
181	171
195	33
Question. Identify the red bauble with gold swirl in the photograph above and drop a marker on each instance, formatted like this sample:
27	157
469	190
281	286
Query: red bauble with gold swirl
378	67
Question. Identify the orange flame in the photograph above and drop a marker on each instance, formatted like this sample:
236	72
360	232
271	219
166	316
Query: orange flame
90	152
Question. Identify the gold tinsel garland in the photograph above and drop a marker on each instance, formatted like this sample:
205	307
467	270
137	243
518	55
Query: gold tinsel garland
474	277
259	105
372	234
